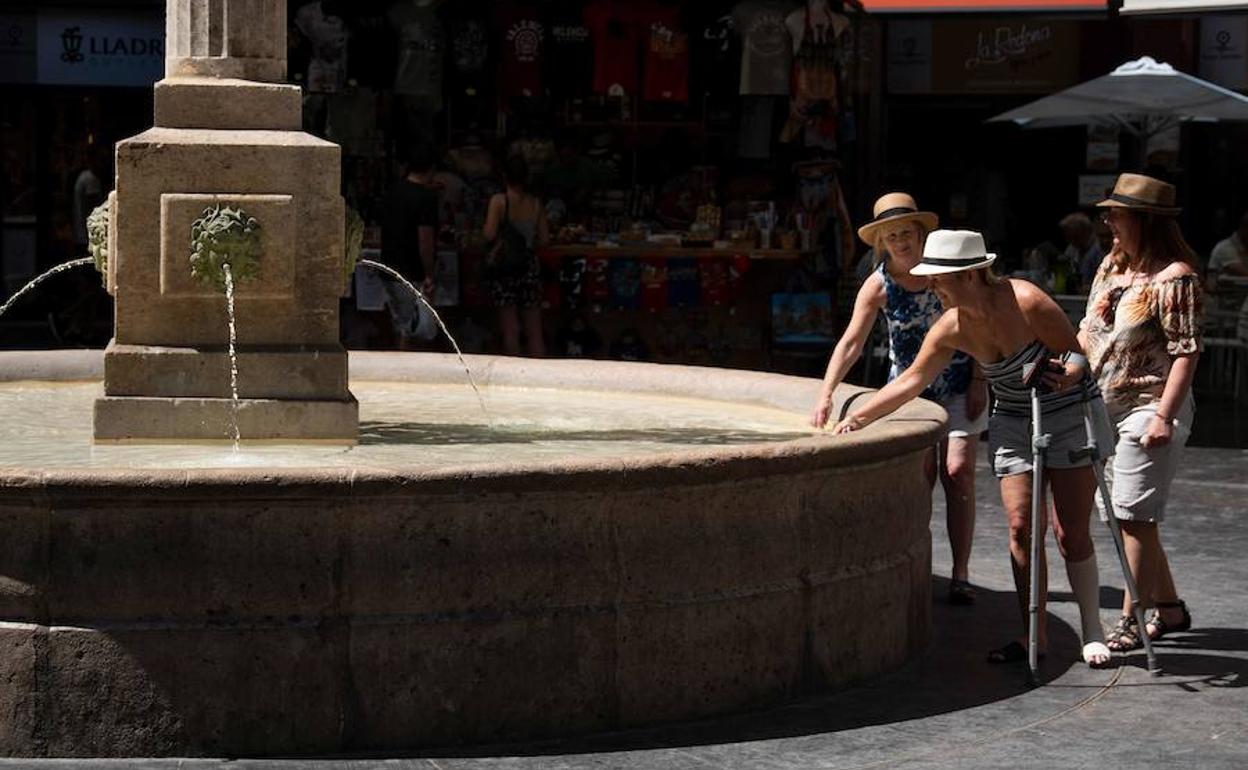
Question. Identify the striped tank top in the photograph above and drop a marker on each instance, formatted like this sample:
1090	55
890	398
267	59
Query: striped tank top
1011	397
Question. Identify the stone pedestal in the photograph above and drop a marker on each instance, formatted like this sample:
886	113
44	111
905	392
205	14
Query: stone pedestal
226	137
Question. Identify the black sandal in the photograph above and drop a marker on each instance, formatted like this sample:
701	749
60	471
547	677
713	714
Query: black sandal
1161	626
1125	636
1011	653
961	592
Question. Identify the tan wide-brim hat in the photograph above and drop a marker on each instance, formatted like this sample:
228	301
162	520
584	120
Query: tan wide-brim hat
1142	193
953	251
895	207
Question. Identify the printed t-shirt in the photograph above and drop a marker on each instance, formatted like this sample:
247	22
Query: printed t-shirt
521	45
570	56
766	47
666	49
419	70
613	29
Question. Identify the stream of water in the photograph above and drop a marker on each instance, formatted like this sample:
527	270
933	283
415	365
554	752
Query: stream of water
229	309
387	270
71	264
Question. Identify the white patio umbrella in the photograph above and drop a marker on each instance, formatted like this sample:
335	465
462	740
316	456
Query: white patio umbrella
1142	96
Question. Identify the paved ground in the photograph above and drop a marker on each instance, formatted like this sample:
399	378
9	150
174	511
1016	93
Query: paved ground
950	709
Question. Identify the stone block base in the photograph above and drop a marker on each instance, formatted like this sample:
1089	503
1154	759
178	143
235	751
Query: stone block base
301	373
226	103
208	419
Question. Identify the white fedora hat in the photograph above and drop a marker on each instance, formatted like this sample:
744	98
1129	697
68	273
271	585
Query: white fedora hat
952	251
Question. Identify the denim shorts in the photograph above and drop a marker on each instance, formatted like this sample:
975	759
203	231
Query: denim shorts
1009	438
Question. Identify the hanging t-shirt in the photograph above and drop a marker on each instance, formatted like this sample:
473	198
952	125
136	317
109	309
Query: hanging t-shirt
717	55
371	52
625	283
683	283
468	41
327	69
766	47
522	41
570	56
665	47
613	30
419	70
597	288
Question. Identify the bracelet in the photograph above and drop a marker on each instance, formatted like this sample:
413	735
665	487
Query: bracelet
1079	359
1165	419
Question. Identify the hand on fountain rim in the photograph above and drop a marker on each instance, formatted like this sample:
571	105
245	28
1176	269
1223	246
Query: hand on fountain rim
851	423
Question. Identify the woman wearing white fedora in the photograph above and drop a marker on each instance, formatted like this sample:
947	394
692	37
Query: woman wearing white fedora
1005	325
897	232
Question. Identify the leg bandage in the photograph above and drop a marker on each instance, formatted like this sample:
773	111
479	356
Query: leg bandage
1085	584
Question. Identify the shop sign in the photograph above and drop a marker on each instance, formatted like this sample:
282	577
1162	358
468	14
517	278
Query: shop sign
100	48
910	57
1004	56
1223	49
1001	55
17	48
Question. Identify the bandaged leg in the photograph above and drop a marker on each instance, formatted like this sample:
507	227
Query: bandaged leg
1085	584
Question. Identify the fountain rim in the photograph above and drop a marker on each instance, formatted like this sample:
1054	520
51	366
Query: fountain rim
915	426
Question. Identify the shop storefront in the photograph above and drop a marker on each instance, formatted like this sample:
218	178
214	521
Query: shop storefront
73	80
703	164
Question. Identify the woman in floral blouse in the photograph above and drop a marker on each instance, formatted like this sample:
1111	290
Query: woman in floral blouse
1142	335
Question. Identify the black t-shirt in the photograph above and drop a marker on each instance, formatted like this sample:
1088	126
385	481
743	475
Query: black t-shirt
570	57
409	206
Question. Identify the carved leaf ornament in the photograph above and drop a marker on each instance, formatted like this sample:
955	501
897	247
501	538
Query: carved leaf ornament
224	235
97	236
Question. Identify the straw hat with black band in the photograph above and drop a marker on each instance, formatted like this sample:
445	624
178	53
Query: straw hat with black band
1137	192
895	207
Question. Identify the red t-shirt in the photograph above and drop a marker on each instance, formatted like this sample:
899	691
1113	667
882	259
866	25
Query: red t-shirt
613	30
522	38
665	46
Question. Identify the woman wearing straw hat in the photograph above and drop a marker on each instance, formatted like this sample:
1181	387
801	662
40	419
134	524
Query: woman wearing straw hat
1006	325
897	232
1142	334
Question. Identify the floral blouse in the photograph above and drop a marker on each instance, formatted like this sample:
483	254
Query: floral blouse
1134	331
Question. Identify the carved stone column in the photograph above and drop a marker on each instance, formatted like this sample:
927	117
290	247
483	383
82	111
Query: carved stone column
226	39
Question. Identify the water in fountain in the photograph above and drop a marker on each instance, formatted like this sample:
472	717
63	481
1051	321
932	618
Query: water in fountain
229	309
395	274
71	264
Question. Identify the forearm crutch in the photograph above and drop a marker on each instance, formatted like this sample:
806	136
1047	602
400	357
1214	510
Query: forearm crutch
1039	450
1093	452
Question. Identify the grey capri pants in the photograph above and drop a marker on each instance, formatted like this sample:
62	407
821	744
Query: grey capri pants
1140	477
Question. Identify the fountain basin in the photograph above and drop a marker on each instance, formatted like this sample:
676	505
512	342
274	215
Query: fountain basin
304	611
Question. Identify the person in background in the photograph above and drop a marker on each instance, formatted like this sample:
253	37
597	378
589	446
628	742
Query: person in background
1083	251
1142	332
518	293
409	236
911	307
1229	257
1007	325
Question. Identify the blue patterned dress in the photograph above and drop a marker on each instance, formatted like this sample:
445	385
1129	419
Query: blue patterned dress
910	314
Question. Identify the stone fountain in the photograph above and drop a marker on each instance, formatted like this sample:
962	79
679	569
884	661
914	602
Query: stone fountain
386	605
226	161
